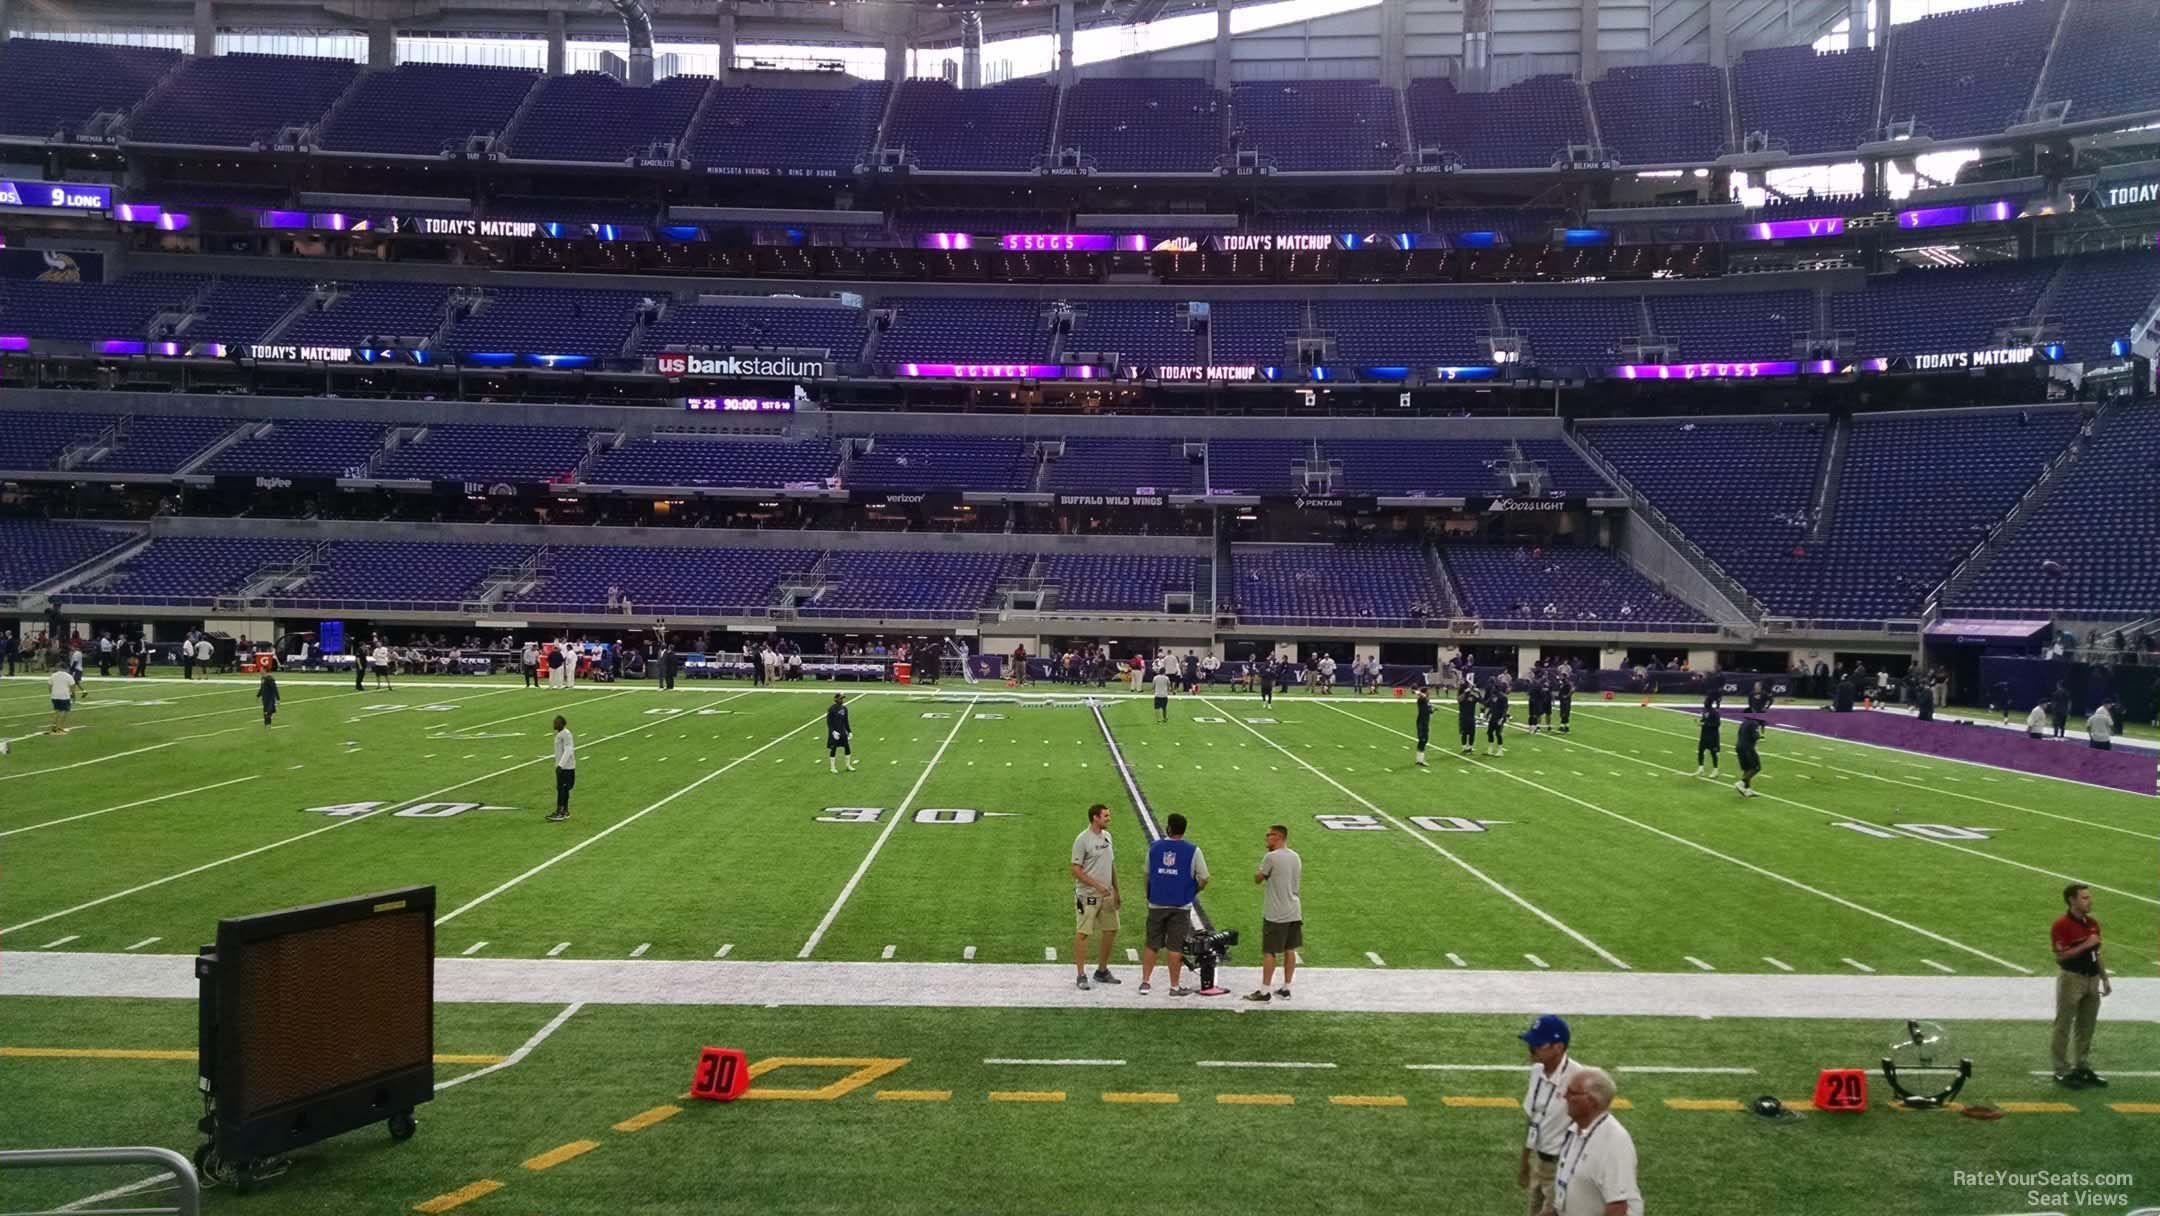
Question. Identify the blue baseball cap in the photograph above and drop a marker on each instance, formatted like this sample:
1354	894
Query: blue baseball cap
1547	1029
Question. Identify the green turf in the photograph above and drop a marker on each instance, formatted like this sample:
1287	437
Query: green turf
707	818
970	1154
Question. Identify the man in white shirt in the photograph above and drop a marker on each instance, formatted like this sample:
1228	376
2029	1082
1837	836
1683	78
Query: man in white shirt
380	661
1095	896
529	660
1162	694
565	769
1596	1173
63	697
1544	1108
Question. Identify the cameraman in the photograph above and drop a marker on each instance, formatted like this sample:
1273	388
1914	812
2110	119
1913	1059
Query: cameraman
1176	874
1282	918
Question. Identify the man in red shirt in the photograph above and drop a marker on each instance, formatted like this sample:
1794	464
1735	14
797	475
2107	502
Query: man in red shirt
2079	985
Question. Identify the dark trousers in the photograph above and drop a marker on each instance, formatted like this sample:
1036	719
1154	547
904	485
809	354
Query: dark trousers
359	675
187	669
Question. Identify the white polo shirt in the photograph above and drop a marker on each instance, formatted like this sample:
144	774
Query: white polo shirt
1545	1106
63	685
565	750
1596	1168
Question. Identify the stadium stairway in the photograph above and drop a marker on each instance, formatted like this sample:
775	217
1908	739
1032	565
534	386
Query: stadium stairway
1444	578
1998	539
1829	478
1665	555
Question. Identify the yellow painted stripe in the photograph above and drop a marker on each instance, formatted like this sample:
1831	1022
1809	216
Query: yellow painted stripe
2036	1108
2135	1108
463	1195
556	1156
1255	1099
1027	1095
1622	1104
132	1053
1465	1100
1142	1099
1702	1104
1369	1100
914	1095
639	1122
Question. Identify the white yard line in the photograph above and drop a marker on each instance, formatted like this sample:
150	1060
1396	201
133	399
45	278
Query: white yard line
1857	965
250	708
124	806
148	941
642	947
1787	967
1263	1064
105	683
60	941
620	824
62	768
725	950
556	950
516	1057
330	827
1428	842
1375	959
906	804
475	948
1750	866
1939	967
1011	1063
132	1188
1918	785
1699	964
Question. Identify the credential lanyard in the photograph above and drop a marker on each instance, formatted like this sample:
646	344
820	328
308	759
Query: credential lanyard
1566	1173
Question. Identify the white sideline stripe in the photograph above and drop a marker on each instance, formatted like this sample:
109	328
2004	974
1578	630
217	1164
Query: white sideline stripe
1263	1064
148	941
557	949
511	1061
252	709
2113	1072
61	768
1659	1069
1994	857
888	953
475	948
1002	1061
1428	842
966	952
1939	967
1537	962
124	806
1747	865
1917	785
1457	959
1049	954
724	950
1377	961
619	824
1857	965
642	947
833	913
62	941
230	688
1840	993
1699	964
1775	963
331	827
136	1188
1466	1067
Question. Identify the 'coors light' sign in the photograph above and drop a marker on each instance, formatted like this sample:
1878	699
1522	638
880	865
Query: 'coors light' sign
676	366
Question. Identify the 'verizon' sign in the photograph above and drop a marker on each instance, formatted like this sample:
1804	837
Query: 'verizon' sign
676	366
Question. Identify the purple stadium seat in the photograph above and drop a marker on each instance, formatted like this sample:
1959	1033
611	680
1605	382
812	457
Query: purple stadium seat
1417	333
237	311
1663	113
2096	526
951	585
366	313
33	550
1309	126
2103	63
1347	584
941	329
815	131
1919	311
1754	325
671	581
1171	125
93	312
304	447
1523	126
470	452
155	443
1253	331
547	321
943	462
1147	333
189	568
2102	300
837	329
54	87
1812	103
693	459
1585	330
1258	466
1106	465
1001	129
1521	588
237	101
593	117
421	574
1971	72
33	441
1117	582
422	109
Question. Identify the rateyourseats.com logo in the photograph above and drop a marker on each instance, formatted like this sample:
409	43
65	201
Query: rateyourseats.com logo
738	365
2062	1191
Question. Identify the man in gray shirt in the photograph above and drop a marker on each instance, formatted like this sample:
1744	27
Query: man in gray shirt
1282	915
1162	694
1095	896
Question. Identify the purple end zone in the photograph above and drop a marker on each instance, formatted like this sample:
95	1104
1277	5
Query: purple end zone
2071	760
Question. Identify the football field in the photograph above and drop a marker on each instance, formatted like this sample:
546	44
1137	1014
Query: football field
883	938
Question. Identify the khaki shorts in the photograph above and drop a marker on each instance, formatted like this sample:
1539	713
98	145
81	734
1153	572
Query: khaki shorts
1093	914
1167	928
1543	1190
1281	936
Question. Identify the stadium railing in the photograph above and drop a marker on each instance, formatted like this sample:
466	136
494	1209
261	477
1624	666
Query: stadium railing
188	1201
